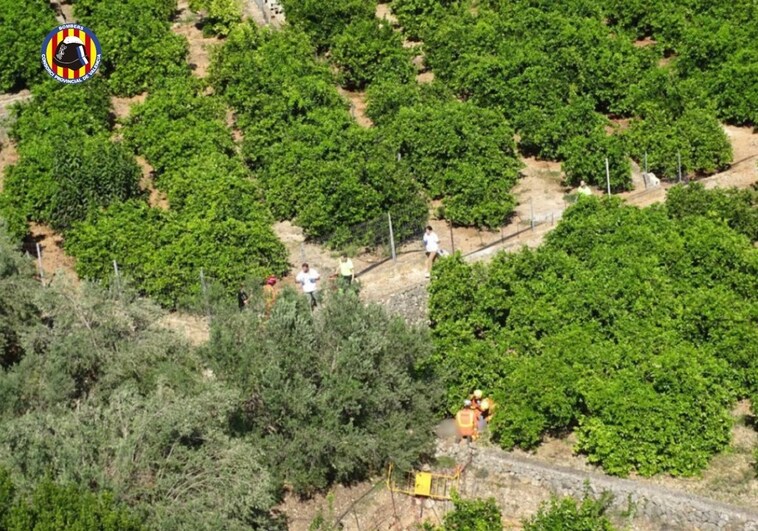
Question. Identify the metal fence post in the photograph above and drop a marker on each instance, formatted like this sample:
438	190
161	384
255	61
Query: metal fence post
679	164
607	175
644	174
452	240
392	238
39	262
118	278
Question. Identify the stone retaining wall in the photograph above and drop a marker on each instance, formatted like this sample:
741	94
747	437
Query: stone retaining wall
521	484
410	304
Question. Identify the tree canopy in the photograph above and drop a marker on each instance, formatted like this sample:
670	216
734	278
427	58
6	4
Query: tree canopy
645	321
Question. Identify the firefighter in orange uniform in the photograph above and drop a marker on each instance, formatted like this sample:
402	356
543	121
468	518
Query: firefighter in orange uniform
466	420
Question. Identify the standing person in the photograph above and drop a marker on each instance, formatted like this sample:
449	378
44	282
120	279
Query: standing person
269	293
466	421
584	189
308	278
242	298
346	271
432	246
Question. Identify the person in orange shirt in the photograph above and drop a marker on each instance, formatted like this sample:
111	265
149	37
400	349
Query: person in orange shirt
270	292
466	421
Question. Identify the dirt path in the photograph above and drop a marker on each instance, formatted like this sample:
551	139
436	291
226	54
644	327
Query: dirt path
357	102
185	24
742	174
156	198
122	107
195	329
262	15
384	12
54	259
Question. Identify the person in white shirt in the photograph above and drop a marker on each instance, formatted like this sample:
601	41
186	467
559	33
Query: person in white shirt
584	190
308	278
432	246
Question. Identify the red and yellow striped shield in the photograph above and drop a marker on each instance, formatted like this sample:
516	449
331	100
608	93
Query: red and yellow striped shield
84	45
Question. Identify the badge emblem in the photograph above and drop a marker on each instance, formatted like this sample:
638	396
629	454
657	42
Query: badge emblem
71	53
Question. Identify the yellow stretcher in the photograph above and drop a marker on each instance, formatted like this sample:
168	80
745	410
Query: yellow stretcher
425	484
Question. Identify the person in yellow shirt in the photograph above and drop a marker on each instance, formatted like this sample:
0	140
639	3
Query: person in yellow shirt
346	271
270	291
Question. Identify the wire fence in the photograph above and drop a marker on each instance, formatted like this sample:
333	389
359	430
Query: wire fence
377	241
381	236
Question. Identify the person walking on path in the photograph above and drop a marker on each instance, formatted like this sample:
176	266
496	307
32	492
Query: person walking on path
432	247
346	272
307	278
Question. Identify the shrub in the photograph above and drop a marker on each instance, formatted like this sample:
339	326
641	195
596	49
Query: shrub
367	51
570	515
584	160
140	46
315	164
734	89
59	184
696	136
177	124
23	26
323	22
56	506
266	91
218	222
103	399
473	515
55	107
461	153
220	15
417	16
736	208
65	173
19	310
385	99
355	397
164	252
640	318
545	131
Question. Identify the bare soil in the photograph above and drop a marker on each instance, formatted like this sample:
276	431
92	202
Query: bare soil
54	259
367	505
384	12
357	102
251	11
122	107
156	198
643	43
199	46
425	77
231	122
195	329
